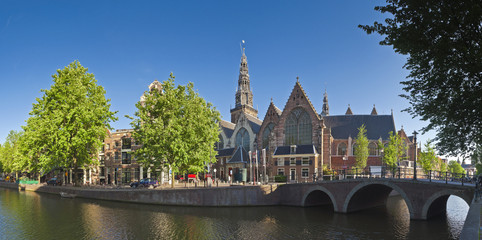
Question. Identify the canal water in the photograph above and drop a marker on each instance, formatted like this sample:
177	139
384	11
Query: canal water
29	215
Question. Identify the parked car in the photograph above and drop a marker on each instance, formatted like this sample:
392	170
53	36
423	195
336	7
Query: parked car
146	182
54	182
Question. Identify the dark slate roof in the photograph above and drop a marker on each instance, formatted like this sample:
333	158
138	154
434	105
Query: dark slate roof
225	152
240	156
300	149
227	127
377	126
254	123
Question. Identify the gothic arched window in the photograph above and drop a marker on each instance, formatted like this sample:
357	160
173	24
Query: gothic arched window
266	133
298	129
220	144
242	138
342	149
372	149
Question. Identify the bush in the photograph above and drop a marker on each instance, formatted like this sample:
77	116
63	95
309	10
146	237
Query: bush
280	178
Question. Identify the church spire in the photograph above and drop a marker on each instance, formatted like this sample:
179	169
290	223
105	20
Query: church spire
374	110
244	95
326	109
348	111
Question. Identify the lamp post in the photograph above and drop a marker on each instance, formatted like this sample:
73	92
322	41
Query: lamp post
215	174
415	162
345	158
383	169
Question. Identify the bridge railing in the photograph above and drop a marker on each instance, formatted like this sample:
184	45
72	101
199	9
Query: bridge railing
400	173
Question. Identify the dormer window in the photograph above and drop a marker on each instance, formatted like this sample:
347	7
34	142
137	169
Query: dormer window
293	149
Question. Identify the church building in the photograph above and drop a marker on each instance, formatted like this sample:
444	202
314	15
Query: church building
299	142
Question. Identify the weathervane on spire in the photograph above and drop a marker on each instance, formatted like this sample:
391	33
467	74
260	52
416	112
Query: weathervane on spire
243	46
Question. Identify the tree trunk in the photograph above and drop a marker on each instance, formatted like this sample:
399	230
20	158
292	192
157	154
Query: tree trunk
76	177
172	177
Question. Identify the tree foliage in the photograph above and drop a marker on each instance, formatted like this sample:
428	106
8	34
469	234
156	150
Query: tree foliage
176	128
361	148
394	151
455	168
10	155
476	158
443	40
428	159
68	124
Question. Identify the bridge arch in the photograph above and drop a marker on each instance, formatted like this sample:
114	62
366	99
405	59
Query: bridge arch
382	188
437	203
313	192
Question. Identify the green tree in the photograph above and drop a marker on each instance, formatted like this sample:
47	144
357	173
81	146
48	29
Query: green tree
394	151
455	168
361	148
476	158
442	165
68	124
10	154
443	41
176	128
428	159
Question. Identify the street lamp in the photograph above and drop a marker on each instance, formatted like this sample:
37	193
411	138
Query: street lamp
382	171
215	170
415	162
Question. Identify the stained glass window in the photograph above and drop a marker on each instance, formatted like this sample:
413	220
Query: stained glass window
266	133
242	138
220	144
342	149
372	149
298	129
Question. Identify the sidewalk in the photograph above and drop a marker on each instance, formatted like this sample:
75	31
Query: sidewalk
473	223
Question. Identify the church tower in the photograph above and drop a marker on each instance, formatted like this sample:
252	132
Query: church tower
326	109
244	96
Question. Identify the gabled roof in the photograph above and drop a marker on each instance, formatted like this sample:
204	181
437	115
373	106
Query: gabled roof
272	114
303	95
254	122
227	127
344	126
277	110
300	149
240	156
225	152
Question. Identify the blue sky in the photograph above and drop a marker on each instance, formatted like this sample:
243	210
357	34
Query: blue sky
128	44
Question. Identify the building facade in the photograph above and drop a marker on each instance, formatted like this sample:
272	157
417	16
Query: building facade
299	142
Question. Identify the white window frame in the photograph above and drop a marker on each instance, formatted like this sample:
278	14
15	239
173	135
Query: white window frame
292	161
307	161
281	170
281	162
307	172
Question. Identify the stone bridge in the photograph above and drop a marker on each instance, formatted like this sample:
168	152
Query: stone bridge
424	199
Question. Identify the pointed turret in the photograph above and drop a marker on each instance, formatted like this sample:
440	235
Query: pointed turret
326	109
374	110
155	85
244	95
348	111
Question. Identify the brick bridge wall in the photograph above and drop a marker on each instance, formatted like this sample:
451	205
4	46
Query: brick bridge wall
423	199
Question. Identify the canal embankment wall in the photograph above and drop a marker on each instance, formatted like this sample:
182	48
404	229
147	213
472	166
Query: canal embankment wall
264	195
472	221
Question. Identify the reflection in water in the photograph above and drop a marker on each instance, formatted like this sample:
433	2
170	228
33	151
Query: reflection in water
26	215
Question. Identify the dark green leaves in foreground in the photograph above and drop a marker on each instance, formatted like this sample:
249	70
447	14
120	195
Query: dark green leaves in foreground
443	41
